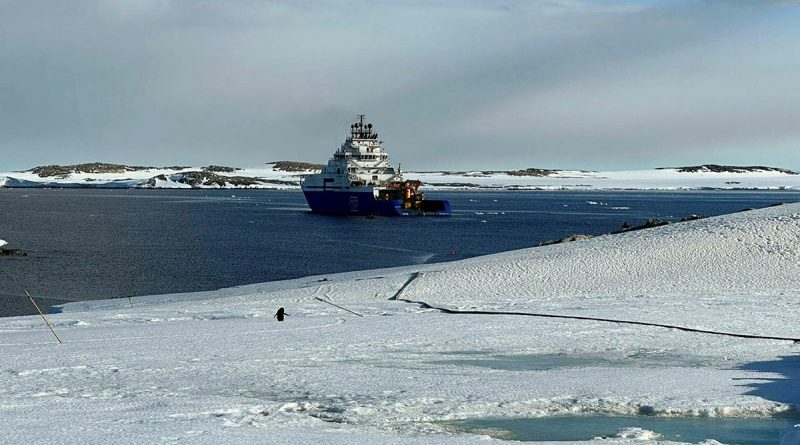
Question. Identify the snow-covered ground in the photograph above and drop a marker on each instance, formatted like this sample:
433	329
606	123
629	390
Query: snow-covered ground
215	367
655	179
267	176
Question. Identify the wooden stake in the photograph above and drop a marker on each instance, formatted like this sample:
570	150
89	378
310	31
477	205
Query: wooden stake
342	308
45	318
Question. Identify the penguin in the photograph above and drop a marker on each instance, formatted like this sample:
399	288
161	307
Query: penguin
279	315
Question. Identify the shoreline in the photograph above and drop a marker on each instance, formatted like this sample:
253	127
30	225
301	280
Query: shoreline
358	274
46	297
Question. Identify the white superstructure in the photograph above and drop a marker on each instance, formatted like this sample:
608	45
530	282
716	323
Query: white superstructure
359	162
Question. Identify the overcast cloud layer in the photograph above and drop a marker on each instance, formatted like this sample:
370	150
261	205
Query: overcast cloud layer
448	84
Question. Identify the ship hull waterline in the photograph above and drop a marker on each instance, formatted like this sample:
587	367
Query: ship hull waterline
364	203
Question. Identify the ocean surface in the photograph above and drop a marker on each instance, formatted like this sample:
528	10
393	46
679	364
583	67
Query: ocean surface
91	244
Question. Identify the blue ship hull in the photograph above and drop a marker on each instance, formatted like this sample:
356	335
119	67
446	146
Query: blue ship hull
364	203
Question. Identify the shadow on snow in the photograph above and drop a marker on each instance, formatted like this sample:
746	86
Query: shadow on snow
784	388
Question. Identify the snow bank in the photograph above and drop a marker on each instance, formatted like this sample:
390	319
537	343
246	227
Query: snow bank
215	367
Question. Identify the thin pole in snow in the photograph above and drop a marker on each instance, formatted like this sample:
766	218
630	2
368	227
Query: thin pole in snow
46	321
342	308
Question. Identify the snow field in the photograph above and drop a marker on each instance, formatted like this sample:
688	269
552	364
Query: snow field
215	367
654	179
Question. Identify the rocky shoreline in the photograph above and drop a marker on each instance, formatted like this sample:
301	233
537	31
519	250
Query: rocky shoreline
12	252
626	227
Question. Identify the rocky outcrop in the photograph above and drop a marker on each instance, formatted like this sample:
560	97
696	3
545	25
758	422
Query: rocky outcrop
153	182
294	166
715	168
200	179
220	169
652	222
532	172
12	252
197	179
566	240
457	185
62	171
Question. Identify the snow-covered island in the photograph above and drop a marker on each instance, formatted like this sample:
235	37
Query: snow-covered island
216	367
288	174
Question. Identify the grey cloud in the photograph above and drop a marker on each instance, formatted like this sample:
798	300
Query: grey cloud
449	84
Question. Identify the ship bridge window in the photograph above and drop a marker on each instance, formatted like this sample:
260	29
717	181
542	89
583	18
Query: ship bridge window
374	177
327	180
339	170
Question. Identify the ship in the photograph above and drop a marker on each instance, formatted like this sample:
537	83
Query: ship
359	180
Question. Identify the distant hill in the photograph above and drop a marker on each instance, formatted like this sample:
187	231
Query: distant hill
47	171
533	172
715	168
290	174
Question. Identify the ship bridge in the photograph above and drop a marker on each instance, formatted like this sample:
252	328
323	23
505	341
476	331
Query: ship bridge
362	158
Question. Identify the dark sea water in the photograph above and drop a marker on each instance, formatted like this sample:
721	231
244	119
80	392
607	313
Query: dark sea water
90	244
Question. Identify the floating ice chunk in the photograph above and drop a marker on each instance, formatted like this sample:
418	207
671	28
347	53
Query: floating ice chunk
2	243
637	433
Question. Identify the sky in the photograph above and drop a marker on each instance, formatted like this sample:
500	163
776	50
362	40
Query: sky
448	84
